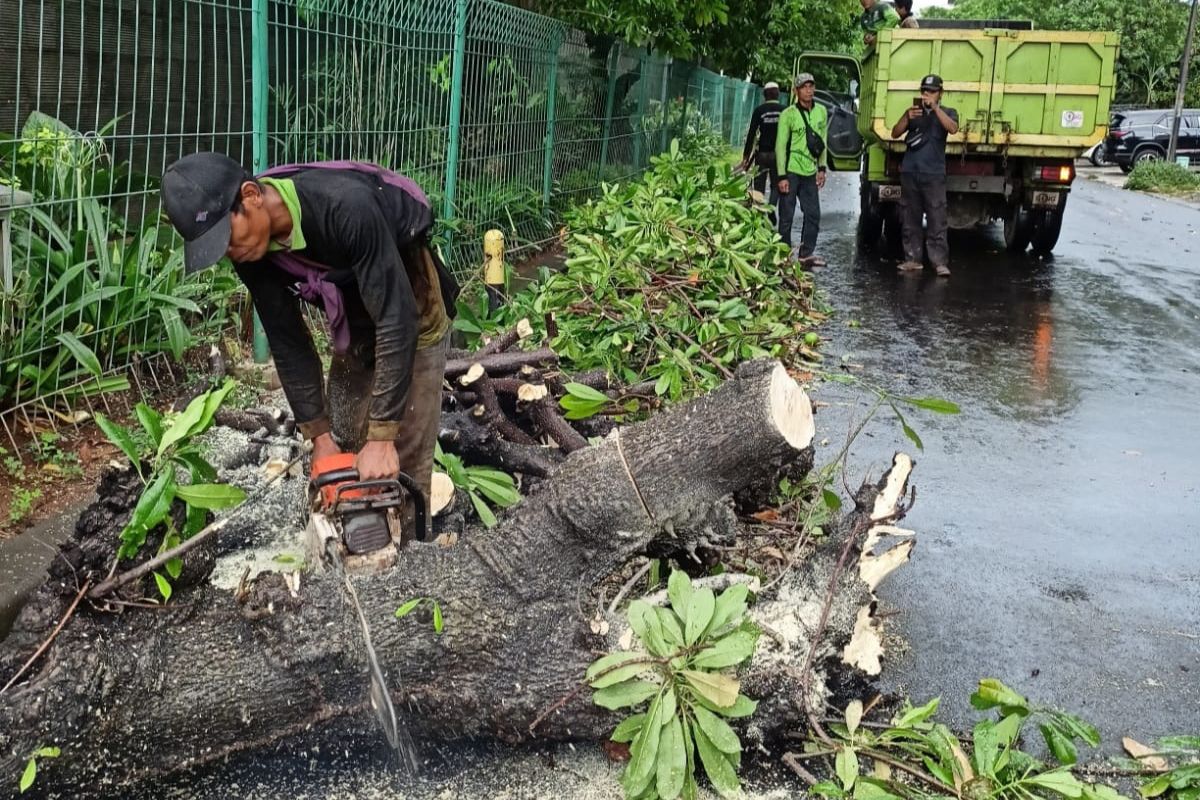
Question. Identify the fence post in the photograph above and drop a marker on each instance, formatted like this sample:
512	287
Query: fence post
456	91
551	95
737	115
259	83
639	141
614	61
664	106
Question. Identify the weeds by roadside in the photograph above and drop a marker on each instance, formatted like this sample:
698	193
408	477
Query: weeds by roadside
1163	177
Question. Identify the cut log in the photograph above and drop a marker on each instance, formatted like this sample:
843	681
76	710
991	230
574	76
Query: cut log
504	341
503	363
441	494
514	643
477	379
479	444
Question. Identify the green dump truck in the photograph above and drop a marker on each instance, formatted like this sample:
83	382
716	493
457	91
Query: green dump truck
1029	103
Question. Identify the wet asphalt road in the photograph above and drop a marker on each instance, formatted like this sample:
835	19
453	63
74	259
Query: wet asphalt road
1059	542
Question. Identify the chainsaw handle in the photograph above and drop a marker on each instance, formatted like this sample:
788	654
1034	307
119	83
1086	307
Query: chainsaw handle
335	476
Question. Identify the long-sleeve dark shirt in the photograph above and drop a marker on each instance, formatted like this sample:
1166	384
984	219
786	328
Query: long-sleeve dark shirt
369	234
764	123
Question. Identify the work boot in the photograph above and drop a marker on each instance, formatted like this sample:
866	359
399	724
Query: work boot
910	266
943	271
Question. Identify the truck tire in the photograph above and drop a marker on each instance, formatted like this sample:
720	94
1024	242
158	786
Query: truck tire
870	220
893	231
1047	225
1018	229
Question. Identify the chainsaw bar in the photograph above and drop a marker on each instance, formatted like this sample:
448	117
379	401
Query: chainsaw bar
381	699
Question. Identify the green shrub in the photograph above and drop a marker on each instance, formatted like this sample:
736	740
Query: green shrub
1163	176
673	278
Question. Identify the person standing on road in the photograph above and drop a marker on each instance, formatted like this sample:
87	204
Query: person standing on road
801	153
904	9
351	239
877	15
764	123
925	128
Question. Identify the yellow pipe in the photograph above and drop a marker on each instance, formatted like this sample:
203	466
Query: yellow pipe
494	270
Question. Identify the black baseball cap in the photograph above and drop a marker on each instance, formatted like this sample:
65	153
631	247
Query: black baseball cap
932	82
198	193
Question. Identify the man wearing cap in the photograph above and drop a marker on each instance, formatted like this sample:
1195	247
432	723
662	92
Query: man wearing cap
877	15
801	154
764	123
352	239
925	128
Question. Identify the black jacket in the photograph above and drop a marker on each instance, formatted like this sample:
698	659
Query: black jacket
371	235
764	122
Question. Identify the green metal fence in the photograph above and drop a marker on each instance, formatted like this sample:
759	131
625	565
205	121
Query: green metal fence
505	117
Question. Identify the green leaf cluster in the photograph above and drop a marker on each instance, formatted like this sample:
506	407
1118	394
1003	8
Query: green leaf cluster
478	483
1181	780
172	447
991	766
684	678
92	289
674	279
435	608
31	766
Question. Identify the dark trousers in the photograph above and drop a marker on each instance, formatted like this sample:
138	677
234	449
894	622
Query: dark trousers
766	181
923	208
802	190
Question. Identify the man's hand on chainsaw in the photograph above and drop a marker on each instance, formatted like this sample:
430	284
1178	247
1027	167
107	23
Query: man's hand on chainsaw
378	460
324	446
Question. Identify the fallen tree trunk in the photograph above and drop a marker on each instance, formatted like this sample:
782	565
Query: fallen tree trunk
144	693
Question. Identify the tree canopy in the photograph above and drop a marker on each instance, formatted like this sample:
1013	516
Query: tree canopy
760	38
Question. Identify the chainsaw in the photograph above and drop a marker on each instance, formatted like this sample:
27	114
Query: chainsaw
354	527
359	520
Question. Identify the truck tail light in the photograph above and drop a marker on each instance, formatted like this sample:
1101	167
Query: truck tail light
1060	174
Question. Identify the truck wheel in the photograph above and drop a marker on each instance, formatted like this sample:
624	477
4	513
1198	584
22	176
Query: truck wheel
893	231
1047	225
870	220
1018	229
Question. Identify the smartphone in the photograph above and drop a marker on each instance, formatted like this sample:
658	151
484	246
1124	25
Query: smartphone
918	103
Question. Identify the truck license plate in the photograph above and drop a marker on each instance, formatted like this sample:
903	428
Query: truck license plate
1045	199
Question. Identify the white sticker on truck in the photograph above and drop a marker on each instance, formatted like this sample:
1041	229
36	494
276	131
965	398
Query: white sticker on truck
1072	119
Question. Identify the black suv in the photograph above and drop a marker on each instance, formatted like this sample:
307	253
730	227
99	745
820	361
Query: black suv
1137	136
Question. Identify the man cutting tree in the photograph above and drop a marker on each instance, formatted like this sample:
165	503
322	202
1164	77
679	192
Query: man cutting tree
351	239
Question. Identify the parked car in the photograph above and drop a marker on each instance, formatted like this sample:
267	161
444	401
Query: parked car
1097	154
1138	136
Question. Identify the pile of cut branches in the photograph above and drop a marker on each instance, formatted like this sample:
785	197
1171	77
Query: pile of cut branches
673	279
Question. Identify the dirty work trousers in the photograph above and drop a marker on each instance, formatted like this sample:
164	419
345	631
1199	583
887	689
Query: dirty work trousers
766	182
923	210
802	190
351	381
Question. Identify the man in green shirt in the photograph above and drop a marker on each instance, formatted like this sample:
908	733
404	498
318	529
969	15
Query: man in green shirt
877	15
801	153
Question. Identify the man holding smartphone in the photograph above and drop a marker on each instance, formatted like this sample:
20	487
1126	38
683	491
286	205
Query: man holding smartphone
925	127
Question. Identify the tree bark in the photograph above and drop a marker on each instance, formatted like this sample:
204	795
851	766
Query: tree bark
124	695
502	363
